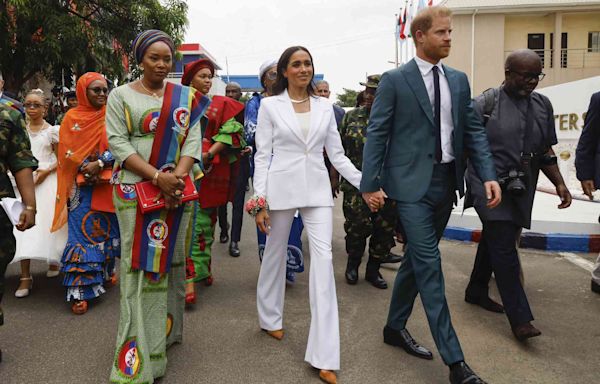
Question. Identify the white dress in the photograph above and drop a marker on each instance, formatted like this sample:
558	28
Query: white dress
38	242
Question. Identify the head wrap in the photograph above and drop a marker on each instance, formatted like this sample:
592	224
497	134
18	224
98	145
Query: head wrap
190	70
146	39
266	65
82	132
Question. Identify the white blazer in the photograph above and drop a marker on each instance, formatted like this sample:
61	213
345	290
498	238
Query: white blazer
289	169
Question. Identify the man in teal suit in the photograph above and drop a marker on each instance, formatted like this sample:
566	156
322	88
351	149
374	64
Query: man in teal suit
421	124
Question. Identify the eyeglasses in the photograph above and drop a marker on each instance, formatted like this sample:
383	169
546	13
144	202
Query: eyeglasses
528	76
271	75
99	90
32	106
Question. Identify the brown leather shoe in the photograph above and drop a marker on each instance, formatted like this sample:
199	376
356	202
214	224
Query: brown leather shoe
278	334
328	376
525	331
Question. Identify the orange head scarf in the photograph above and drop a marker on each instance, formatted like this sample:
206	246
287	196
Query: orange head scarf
82	132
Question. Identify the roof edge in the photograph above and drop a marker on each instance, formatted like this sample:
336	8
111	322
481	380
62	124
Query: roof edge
525	8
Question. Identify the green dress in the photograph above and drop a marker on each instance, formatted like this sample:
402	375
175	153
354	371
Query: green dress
152	305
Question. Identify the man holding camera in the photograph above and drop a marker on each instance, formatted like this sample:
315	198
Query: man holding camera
520	128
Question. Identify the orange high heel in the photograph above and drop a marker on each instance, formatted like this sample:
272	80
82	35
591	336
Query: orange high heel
327	376
277	334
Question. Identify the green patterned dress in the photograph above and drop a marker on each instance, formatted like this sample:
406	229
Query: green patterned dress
152	305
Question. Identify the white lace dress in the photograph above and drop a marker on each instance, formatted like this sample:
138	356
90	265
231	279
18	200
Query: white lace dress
38	242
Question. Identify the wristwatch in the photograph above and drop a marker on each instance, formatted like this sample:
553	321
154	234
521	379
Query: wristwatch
101	163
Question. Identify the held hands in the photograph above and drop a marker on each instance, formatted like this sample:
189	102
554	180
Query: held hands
565	196
171	188
90	172
493	193
263	221
375	200
40	175
588	188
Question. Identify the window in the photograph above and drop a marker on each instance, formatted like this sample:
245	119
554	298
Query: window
594	42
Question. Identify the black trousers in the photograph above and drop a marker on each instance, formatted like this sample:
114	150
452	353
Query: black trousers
239	199
497	253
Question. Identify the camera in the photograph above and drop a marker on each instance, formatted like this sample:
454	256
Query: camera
513	182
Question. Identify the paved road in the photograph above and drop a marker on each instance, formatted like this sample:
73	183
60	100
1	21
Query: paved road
43	342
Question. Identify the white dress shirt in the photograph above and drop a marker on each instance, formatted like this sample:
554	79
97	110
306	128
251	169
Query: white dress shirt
447	125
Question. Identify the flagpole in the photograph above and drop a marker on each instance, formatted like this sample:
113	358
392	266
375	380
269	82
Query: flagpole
396	38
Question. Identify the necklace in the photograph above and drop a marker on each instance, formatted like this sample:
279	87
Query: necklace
34	132
153	94
298	101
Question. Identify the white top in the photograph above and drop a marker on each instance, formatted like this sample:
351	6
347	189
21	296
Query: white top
447	125
304	121
289	168
41	144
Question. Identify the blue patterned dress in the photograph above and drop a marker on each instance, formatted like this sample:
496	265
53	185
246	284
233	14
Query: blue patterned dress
89	257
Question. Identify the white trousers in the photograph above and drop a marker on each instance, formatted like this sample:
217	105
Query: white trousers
596	271
323	347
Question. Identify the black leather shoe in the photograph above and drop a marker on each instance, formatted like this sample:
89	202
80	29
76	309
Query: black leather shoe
392	258
595	287
485	303
525	331
224	237
352	271
376	280
234	249
461	373
404	340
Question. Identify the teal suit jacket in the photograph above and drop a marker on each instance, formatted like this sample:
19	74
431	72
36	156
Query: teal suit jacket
399	153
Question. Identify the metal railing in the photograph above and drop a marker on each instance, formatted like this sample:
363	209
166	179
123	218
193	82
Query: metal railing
569	58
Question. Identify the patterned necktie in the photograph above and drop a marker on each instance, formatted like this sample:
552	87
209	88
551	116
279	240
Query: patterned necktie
437	114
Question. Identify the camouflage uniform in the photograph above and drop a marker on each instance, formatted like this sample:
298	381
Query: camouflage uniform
360	221
15	154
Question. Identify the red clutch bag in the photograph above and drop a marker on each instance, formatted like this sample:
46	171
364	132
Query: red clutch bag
147	192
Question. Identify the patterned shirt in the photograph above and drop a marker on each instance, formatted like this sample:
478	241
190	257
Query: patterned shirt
353	131
15	148
251	118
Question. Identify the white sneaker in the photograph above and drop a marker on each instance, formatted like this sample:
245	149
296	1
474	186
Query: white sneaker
20	293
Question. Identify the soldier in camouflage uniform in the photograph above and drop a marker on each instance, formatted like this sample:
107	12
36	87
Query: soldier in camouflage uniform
360	222
16	157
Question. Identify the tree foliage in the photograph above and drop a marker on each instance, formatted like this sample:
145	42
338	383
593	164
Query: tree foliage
76	36
347	98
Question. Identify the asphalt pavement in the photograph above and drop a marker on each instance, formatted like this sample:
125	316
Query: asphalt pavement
43	342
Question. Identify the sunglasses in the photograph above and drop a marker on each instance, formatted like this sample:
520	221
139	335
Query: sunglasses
529	76
271	75
99	90
32	106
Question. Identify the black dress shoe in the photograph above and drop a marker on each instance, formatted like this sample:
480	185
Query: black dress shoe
461	373
392	258
526	331
404	340
234	249
224	237
352	275
485	303
376	280
595	287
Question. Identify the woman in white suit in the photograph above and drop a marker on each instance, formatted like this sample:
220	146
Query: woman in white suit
293	128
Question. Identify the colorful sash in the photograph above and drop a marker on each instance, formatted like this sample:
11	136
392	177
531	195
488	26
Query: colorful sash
156	232
12	103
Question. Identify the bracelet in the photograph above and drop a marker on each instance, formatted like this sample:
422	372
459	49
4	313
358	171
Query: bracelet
155	178
30	208
255	204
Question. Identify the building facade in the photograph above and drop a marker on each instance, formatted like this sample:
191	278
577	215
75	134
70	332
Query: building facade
485	32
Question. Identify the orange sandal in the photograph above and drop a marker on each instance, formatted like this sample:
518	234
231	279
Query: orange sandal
79	307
